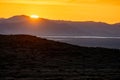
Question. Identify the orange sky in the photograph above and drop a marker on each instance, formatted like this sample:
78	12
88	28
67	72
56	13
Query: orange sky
75	10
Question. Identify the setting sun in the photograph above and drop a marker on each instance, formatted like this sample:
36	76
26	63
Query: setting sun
71	10
34	16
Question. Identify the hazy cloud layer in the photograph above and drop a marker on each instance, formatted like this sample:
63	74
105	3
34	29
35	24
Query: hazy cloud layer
115	2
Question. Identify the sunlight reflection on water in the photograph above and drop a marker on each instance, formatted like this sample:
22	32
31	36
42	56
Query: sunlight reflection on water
89	41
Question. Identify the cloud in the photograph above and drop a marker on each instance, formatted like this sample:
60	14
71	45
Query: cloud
64	2
35	1
49	1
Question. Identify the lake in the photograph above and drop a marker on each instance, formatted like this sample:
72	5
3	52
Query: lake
89	41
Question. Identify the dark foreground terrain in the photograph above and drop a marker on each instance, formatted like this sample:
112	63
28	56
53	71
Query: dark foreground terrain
24	57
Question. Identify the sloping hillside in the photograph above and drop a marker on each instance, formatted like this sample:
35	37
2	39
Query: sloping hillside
25	57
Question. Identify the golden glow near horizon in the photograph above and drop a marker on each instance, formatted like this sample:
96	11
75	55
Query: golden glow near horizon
34	16
74	10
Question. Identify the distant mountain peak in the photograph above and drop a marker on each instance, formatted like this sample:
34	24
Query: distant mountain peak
18	16
24	24
13	19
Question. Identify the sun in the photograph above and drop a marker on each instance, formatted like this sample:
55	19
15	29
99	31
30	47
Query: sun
34	16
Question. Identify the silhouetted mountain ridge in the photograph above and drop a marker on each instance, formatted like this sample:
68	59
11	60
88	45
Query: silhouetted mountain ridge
24	25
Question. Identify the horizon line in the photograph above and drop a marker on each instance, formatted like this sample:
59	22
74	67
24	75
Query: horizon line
61	19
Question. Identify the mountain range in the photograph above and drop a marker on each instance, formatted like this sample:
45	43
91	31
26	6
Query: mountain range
23	24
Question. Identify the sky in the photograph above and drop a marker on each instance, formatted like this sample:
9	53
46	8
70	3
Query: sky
73	10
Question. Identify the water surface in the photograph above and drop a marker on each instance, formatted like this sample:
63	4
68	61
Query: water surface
89	41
